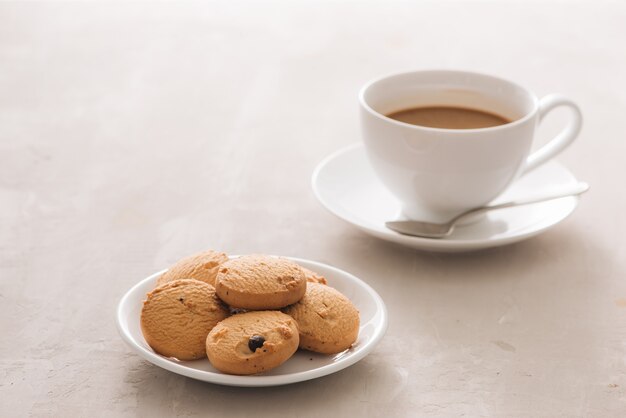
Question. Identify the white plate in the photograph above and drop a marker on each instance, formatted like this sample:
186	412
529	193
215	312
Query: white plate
304	365
346	185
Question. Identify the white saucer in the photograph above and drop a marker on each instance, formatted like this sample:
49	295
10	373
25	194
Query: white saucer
346	185
304	365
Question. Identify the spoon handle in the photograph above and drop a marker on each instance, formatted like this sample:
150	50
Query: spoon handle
571	190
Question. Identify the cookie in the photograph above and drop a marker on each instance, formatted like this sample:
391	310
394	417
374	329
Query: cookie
177	317
328	321
252	342
314	277
201	266
259	282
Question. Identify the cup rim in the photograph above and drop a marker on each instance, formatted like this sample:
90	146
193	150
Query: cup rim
387	119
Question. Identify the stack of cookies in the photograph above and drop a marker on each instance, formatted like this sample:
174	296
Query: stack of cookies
247	315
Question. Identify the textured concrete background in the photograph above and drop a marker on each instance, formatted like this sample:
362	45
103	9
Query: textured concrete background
132	134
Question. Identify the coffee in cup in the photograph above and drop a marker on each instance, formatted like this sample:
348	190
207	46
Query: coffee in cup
448	117
447	141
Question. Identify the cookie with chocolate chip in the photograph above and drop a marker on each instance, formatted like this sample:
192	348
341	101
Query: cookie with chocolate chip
177	317
252	342
260	282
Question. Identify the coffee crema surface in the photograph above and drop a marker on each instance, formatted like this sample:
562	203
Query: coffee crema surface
449	117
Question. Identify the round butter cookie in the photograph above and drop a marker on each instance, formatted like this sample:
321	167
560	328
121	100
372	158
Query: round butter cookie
177	317
328	321
252	342
259	282
314	277
201	266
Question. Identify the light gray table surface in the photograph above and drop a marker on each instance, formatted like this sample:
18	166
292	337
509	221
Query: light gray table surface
132	134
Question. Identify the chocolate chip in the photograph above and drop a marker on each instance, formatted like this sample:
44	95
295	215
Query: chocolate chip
256	341
181	300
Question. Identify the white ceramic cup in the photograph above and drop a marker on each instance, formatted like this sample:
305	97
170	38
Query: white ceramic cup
439	173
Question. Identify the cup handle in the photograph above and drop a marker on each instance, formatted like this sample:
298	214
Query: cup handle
563	139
